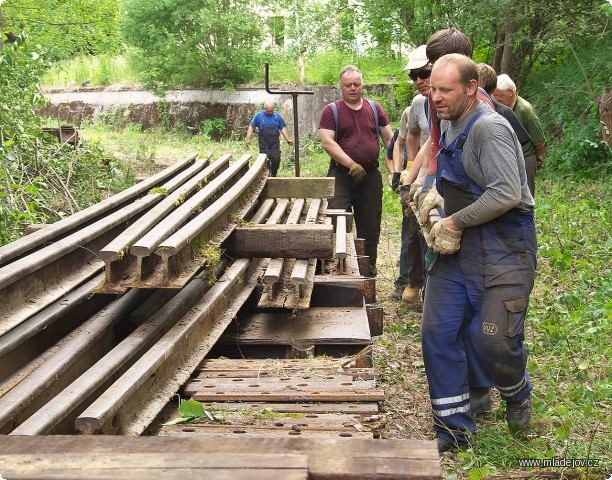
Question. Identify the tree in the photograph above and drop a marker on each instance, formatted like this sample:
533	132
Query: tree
66	28
209	43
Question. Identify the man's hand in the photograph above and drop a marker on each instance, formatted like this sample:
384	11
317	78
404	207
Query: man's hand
445	240
357	173
395	181
404	191
414	189
403	175
431	201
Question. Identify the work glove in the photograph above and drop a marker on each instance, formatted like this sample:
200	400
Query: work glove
404	191
403	175
431	201
395	181
414	189
357	173
445	240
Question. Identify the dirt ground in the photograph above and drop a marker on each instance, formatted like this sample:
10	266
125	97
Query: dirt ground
397	353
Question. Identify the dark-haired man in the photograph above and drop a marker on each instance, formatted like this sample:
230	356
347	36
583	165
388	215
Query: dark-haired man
413	132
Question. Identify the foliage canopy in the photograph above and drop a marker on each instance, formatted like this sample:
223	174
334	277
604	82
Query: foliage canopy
209	43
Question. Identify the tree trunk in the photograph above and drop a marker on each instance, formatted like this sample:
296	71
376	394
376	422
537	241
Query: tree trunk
498	52
301	65
605	115
509	31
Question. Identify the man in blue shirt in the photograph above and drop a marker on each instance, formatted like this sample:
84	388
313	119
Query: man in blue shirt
269	125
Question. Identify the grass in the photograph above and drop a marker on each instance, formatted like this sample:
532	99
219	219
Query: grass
320	69
568	326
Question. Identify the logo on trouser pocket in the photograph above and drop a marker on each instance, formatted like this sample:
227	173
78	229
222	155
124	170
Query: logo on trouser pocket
489	328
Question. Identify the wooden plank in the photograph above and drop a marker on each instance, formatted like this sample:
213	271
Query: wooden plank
328	458
275	420
341	290
335	213
287	374
287	395
175	465
277	364
281	241
365	408
274	384
315	326
261	431
302	187
265	377
296	211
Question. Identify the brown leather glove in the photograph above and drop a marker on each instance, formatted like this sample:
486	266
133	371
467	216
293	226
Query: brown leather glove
357	173
445	240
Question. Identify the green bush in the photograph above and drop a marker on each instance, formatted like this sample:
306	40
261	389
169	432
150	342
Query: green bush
565	96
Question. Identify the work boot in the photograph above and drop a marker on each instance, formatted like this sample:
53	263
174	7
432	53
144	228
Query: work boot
396	294
518	414
480	400
411	295
444	445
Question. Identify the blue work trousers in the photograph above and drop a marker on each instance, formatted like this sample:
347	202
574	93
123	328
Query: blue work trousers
476	299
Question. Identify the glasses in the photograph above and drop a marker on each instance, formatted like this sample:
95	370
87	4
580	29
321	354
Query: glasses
423	75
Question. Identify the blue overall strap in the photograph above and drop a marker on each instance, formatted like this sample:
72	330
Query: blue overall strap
335	112
263	123
457	144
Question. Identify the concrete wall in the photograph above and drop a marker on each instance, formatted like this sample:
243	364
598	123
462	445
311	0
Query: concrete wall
122	106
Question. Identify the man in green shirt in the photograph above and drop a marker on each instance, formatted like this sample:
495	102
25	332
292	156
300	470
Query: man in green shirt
532	151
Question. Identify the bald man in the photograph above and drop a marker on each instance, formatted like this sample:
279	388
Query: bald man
270	125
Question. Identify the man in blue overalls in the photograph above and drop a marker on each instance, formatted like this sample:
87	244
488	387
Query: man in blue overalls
269	125
480	282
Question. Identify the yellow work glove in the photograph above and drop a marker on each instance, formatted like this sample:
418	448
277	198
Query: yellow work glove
357	173
432	200
445	240
403	175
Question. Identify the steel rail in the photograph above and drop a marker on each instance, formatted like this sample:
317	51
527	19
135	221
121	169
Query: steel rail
25	244
34	281
157	375
116	256
85	345
180	251
72	400
148	269
24	342
158	314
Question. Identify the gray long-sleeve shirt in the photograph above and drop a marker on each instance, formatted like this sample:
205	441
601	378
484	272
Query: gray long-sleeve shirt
493	158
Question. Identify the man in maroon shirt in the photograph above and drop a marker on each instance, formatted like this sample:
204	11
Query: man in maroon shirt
349	130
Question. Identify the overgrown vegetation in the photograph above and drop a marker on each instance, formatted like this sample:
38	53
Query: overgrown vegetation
42	181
